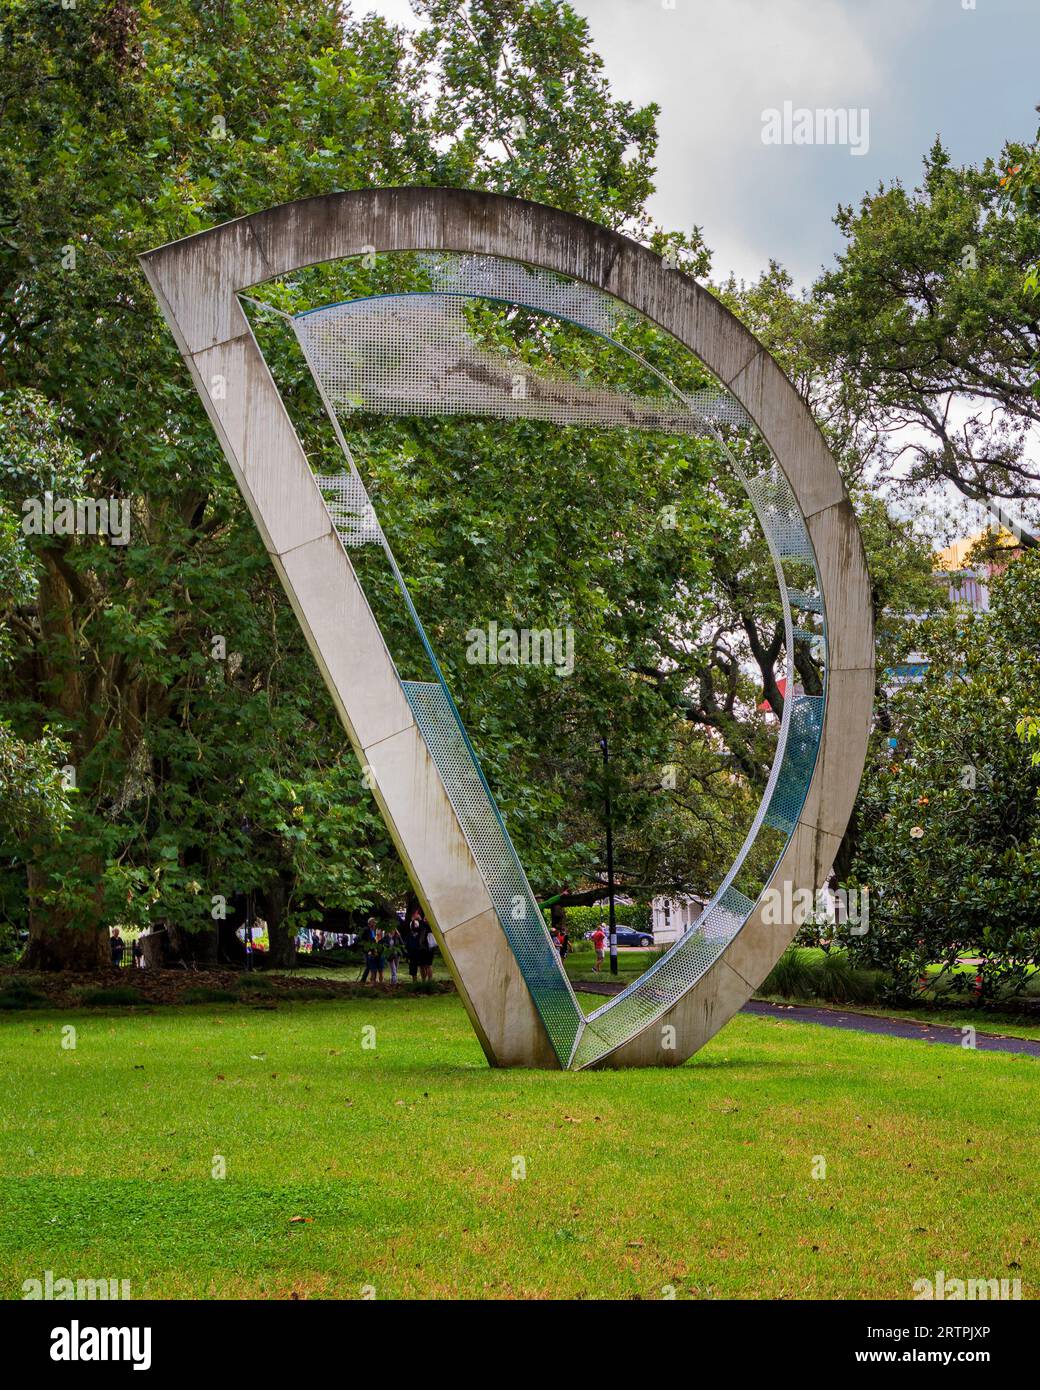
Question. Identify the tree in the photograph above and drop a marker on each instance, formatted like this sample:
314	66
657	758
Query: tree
929	323
522	107
205	751
207	758
124	129
950	844
1021	185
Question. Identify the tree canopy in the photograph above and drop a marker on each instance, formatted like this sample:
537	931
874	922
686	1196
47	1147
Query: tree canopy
166	744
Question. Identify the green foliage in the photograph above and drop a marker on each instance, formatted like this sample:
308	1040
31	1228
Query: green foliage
523	107
205	995
1021	185
585	919
826	975
127	127
203	771
950	841
20	994
925	308
35	803
1028	730
792	977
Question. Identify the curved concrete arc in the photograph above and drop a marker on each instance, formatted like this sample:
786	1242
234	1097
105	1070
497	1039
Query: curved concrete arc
197	281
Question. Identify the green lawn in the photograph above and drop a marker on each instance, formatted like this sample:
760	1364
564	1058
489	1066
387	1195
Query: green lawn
403	1159
580	965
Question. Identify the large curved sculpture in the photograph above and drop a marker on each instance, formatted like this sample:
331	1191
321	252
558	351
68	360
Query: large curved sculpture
408	734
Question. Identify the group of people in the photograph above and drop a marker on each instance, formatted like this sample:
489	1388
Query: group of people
384	947
316	939
118	947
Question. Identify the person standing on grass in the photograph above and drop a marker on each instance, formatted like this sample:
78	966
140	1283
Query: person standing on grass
368	940
138	953
392	941
118	947
413	933
427	946
599	938
380	950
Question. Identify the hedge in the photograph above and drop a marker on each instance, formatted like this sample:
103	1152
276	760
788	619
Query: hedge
583	919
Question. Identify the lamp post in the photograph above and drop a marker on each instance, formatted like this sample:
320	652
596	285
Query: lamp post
610	855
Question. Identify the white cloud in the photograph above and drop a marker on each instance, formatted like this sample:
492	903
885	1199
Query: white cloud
714	69
714	66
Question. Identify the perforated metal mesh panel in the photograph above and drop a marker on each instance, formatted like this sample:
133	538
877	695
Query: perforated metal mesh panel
509	282
481	823
666	981
351	509
776	506
419	354
787	798
804	603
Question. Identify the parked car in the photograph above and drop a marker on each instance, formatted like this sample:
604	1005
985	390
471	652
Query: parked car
628	936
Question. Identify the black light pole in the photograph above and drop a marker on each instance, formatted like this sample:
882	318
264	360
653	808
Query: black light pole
610	856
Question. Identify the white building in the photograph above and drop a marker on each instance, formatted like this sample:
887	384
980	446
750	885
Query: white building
671	918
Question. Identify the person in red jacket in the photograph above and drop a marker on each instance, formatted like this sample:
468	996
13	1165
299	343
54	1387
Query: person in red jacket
599	939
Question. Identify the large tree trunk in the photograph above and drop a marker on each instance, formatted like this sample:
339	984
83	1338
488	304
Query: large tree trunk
153	947
56	941
275	900
191	947
230	949
64	939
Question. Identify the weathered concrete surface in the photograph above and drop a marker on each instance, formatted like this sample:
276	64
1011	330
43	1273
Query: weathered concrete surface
196	281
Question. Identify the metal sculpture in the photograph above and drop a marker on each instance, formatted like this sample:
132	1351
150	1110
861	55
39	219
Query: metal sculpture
415	353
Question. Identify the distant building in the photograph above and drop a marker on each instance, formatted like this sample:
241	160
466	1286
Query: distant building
965	584
671	918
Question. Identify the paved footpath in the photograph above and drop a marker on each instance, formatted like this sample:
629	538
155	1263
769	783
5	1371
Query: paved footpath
893	1027
883	1026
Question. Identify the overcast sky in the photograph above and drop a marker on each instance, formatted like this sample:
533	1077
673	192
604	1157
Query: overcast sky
918	67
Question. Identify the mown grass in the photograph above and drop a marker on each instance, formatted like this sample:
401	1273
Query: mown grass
404	1156
580	964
